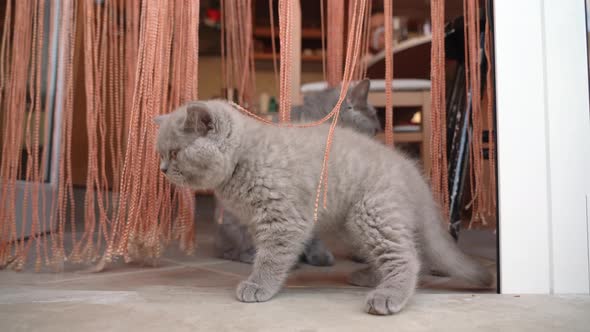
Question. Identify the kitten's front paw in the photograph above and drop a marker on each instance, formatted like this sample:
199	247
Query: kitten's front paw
384	302
248	291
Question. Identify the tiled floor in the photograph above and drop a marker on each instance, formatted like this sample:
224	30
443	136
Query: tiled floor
197	294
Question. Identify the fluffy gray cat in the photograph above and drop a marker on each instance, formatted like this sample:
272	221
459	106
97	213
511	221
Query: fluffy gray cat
267	177
233	240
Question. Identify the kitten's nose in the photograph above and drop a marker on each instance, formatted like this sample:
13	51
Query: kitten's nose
164	166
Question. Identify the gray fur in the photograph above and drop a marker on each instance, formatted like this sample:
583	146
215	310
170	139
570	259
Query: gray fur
267	176
233	242
355	111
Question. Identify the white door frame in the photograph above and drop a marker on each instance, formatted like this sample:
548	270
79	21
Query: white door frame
543	125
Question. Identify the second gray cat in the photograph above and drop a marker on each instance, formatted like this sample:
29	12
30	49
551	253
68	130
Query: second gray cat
233	241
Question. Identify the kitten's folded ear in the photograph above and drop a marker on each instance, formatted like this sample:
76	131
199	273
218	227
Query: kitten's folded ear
359	94
159	119
198	119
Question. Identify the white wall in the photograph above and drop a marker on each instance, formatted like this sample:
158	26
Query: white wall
543	145
568	128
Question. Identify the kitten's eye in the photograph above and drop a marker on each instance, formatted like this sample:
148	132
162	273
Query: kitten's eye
173	154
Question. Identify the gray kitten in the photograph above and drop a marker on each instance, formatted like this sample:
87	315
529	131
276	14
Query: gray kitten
267	176
233	241
355	112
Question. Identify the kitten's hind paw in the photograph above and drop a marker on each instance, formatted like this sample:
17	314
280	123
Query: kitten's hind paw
248	291
384	302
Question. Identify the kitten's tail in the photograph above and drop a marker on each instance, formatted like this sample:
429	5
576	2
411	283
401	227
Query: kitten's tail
444	256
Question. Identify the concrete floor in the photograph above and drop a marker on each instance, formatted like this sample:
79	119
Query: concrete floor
197	294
